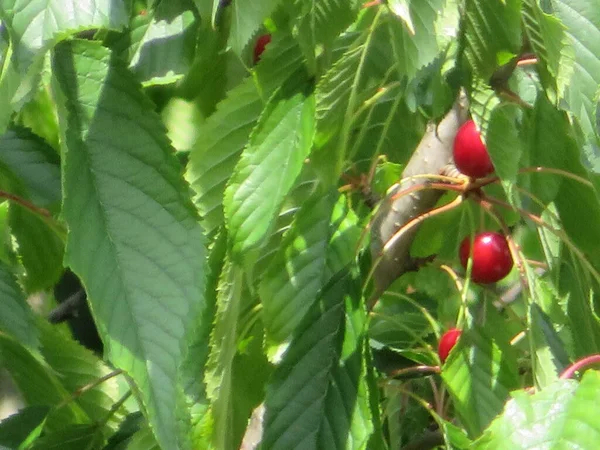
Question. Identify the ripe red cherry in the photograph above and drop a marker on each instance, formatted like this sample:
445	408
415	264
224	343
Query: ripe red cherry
470	153
447	343
492	260
260	45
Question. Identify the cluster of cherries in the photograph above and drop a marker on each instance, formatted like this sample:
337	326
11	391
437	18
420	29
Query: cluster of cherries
491	258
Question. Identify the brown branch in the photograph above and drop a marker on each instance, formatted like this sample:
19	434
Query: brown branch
431	155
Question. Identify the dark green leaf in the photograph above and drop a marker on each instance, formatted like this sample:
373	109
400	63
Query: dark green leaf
16	317
23	427
318	396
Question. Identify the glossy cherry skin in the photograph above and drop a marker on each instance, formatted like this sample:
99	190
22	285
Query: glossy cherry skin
470	153
260	45
447	343
492	260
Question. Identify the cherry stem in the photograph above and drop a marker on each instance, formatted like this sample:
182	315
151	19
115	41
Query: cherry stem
554	171
371	3
26	204
578	365
83	389
413	370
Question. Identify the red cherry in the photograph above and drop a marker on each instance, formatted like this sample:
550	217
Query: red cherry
470	153
447	343
260	45
492	260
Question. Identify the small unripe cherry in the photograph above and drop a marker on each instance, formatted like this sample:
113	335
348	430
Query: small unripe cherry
470	153
492	260
260	45
447	343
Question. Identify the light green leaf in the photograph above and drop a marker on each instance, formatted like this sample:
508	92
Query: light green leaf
246	19
143	440
16	317
268	168
564	415
582	21
35	25
318	396
133	235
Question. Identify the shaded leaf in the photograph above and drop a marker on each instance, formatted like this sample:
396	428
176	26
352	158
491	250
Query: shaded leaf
16	317
318	395
133	235
23	427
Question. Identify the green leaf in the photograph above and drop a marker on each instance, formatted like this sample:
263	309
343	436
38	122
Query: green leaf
16	317
161	45
226	132
321	22
582	21
550	357
561	416
547	38
237	368
318	396
36	25
74	437
493	29
77	367
223	345
583	322
32	165
503	141
552	145
217	151
38	384
247	18
287	294
23	427
268	168
143	440
133	235
40	249
411	39
479	374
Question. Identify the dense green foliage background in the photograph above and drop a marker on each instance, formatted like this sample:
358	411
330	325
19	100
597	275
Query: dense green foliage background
217	213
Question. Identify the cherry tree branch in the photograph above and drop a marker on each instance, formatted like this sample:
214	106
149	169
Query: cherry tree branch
431	155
